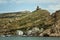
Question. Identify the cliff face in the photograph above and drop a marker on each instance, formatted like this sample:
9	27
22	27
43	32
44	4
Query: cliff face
56	17
57	22
55	28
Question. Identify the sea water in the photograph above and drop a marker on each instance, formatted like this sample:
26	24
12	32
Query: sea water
29	38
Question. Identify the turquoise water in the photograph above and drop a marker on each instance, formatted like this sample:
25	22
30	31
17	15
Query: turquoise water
29	38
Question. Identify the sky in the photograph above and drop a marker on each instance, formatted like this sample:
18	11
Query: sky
30	5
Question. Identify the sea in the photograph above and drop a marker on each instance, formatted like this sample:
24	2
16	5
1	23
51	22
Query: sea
29	38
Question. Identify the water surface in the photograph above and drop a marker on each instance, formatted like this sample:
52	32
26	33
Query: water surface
29	38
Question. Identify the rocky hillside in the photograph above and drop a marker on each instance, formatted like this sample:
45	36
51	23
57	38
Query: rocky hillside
40	18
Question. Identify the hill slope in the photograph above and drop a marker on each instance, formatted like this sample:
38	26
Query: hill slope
13	21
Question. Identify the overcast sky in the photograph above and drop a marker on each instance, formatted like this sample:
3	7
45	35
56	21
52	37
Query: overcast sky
22	5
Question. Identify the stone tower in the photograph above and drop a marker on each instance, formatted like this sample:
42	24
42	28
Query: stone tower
37	8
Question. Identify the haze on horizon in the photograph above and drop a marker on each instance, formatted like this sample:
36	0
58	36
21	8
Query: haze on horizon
30	5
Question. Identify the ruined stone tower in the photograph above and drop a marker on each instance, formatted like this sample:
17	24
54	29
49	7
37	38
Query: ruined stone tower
38	8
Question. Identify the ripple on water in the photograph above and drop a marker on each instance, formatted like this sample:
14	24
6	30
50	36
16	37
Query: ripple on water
29	38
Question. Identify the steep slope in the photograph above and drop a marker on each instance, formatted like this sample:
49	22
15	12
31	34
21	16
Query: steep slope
55	28
56	16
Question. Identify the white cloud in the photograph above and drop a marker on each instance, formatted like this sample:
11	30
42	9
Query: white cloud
3	1
30	1
54	7
36	1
